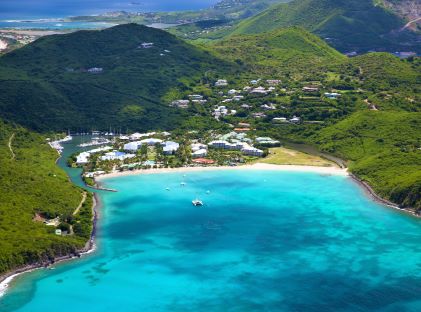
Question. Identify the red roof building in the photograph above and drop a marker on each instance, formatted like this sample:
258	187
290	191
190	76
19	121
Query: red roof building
203	161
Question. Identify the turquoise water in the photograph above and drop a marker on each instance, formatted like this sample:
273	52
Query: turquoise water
263	241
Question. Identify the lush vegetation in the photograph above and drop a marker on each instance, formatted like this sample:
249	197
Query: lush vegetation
31	184
47	86
374	124
383	149
348	25
289	49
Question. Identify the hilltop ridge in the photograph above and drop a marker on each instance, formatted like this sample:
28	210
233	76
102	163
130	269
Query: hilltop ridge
351	25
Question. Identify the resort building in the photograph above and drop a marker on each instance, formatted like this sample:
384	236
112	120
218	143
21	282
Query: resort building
83	158
198	146
115	155
200	153
169	147
203	161
134	146
252	151
137	136
267	141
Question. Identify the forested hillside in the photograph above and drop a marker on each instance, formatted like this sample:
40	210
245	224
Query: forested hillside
287	49
32	185
348	25
100	79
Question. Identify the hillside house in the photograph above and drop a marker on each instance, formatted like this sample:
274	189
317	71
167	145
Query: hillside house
180	103
332	96
146	45
279	119
273	82
221	83
310	89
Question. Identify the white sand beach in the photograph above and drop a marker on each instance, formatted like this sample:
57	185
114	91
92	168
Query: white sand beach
259	166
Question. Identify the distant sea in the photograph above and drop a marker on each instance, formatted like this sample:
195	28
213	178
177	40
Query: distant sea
41	9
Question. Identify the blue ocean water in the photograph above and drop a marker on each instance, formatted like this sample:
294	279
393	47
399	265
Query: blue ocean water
263	241
35	9
53	25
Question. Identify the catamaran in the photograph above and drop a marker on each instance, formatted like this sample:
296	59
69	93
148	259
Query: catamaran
197	202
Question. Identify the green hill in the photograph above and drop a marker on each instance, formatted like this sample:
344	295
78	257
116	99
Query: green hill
291	49
47	84
31	183
348	25
383	149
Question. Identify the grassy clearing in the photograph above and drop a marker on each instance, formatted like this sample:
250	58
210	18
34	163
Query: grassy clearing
285	156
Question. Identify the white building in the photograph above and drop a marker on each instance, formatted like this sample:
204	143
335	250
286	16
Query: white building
221	83
196	97
83	158
271	106
267	141
332	96
146	45
259	90
115	155
198	146
252	151
200	153
279	119
95	70
132	146
170	147
295	119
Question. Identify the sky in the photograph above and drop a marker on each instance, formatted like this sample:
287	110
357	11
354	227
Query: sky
32	9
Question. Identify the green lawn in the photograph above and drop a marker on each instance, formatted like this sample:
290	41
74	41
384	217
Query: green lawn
285	156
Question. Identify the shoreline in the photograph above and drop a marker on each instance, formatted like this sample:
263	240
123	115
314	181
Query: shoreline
333	170
90	245
378	199
89	248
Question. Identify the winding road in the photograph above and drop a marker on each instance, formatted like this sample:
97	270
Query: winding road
10	146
